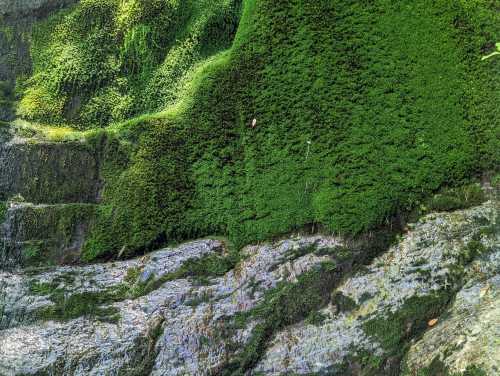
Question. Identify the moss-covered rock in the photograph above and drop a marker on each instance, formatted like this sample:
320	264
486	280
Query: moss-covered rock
49	173
44	234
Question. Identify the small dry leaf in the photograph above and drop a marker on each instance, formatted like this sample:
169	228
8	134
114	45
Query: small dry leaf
432	322
483	291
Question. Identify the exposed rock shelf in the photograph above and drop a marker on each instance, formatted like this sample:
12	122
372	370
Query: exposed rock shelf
144	323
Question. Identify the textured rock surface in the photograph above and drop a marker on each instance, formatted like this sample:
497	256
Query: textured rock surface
470	331
29	7
44	172
425	261
183	326
43	234
189	342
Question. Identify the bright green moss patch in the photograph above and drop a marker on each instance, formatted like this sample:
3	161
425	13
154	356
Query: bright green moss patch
106	60
362	109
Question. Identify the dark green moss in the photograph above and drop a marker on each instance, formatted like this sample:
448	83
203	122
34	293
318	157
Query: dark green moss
315	318
456	198
87	304
343	302
438	368
286	304
3	211
395	329
199	269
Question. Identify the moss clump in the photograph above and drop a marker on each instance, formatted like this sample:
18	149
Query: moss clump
456	198
438	368
3	211
199	269
86	304
354	123
286	304
394	330
105	60
343	302
318	154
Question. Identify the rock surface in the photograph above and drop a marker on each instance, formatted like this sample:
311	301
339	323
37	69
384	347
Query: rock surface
184	325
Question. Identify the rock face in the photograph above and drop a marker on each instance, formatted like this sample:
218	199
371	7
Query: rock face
50	173
48	193
158	315
470	330
18	8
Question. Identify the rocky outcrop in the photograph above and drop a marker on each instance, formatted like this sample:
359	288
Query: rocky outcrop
50	173
467	337
48	193
21	8
288	307
374	314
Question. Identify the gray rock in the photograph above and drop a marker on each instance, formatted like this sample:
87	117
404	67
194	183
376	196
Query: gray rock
423	262
183	327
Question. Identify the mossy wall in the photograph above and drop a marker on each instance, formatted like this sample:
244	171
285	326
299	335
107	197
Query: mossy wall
361	109
50	172
107	60
44	234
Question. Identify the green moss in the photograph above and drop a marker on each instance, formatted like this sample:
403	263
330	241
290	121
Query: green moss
32	253
456	198
106	60
87	304
343	302
394	330
354	122
198	269
201	168
438	368
282	306
3	211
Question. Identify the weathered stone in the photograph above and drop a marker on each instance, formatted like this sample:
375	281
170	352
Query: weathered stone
469	333
184	327
49	173
43	234
423	263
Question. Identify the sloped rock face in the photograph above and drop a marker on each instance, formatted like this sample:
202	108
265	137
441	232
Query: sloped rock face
470	329
146	318
48	193
171	330
392	301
